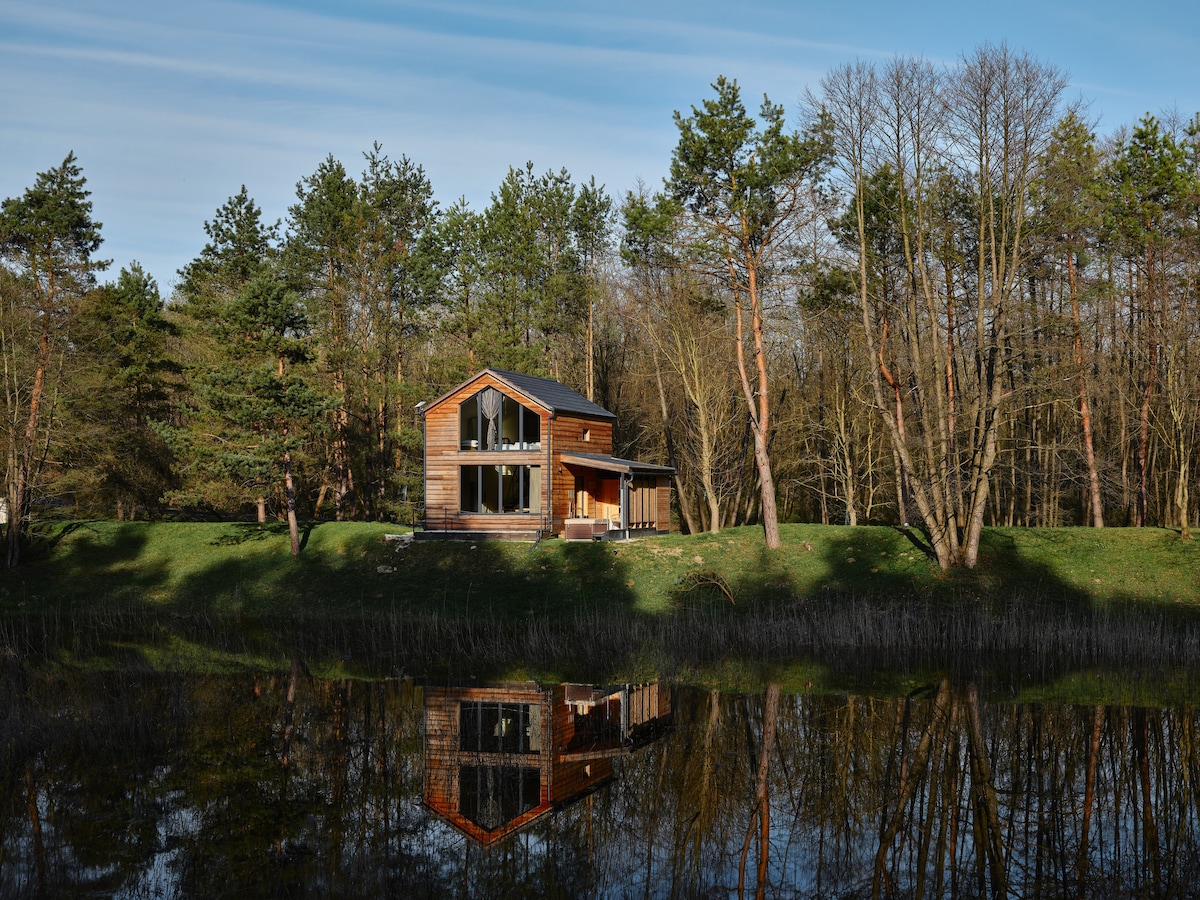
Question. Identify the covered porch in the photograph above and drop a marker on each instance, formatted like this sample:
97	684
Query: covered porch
615	499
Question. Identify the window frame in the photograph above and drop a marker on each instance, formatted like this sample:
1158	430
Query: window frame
514	417
527	491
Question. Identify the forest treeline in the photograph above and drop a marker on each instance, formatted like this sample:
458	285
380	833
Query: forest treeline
927	295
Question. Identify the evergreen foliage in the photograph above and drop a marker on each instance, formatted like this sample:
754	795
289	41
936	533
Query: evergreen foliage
47	238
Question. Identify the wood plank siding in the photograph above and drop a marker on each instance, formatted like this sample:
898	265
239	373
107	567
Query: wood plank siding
445	456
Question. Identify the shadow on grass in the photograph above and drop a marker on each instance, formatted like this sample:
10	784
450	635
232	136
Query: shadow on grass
78	562
243	533
223	596
458	609
879	615
861	604
1012	618
47	542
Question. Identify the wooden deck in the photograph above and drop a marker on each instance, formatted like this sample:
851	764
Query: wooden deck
530	537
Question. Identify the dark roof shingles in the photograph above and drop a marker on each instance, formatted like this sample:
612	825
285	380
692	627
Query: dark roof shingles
554	394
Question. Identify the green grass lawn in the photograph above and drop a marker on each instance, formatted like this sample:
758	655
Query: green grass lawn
1055	611
345	568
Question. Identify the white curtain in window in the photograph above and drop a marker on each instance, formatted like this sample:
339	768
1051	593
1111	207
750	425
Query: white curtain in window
489	404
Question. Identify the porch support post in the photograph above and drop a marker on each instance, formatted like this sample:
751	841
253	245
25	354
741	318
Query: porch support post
625	503
548	481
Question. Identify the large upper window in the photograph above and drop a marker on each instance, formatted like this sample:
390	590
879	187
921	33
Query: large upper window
492	796
491	420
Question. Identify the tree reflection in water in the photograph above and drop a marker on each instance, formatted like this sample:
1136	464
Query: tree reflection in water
135	784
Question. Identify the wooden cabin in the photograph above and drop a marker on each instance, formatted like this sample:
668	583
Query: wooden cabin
519	457
499	758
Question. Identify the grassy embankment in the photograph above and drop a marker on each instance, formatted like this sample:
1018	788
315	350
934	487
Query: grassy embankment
835	604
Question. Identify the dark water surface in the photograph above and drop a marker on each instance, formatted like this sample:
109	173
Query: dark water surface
140	784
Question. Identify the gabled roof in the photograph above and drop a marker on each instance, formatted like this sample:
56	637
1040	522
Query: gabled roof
488	836
554	395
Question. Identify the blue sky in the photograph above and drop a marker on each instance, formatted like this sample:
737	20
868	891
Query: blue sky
172	106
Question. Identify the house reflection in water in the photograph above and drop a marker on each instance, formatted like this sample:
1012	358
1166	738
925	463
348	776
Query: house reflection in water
499	758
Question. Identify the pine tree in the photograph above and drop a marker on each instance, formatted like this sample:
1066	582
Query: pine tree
125	377
254	408
47	238
744	186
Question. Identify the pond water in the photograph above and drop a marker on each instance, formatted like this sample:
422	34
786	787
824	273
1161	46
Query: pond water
137	784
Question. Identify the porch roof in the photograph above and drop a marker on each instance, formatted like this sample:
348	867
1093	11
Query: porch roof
613	464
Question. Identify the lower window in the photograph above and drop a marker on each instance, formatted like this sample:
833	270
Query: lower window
500	489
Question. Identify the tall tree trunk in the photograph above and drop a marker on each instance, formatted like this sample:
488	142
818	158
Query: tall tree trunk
370	459
289	489
757	396
293	525
1089	798
682	493
985	457
1085	414
590	355
1141	747
289	716
1148	386
35	827
381	448
343	472
19	514
1183	499
761	815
